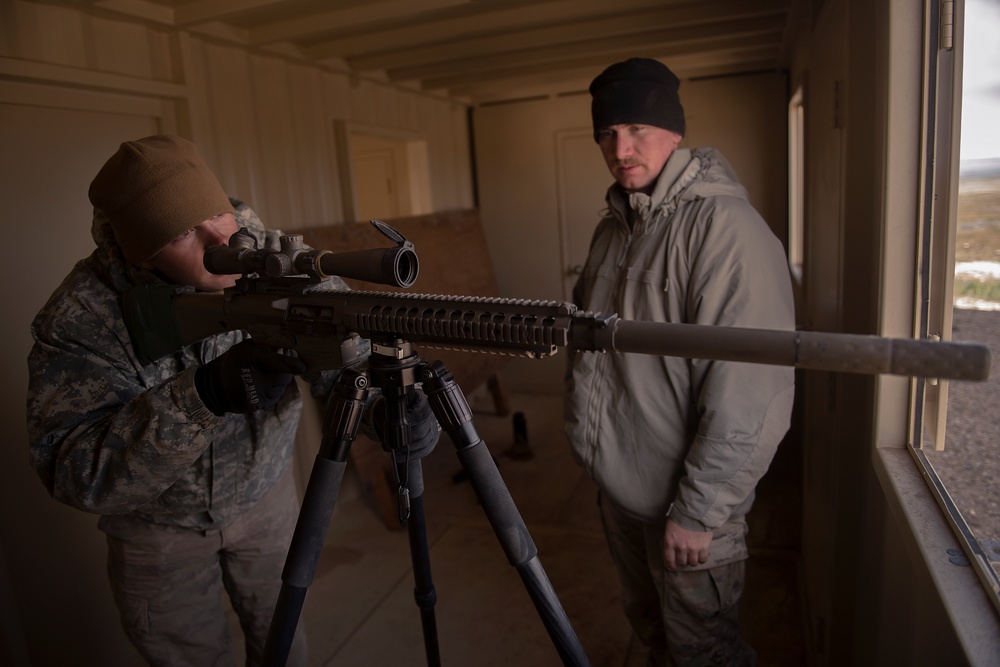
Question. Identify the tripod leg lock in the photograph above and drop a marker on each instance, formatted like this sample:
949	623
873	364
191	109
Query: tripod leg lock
344	411
449	403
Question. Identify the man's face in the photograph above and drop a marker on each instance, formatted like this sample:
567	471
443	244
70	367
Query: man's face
635	154
182	261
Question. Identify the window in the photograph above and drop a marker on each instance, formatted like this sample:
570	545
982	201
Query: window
959	426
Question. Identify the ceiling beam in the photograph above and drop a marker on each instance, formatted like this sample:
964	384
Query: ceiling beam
153	12
603	28
577	80
400	12
674	40
480	49
492	17
208	11
729	52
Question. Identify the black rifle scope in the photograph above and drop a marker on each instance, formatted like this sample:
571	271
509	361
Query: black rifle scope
396	266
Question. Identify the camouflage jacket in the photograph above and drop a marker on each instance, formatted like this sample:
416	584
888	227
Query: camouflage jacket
113	436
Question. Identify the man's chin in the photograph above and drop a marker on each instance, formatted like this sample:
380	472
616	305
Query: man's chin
634	185
632	180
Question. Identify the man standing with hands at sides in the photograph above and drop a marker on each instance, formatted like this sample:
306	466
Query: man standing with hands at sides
186	458
676	446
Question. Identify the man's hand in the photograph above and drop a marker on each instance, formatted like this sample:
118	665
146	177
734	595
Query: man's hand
248	377
424	429
683	547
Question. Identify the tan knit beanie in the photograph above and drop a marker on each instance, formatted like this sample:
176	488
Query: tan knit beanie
153	190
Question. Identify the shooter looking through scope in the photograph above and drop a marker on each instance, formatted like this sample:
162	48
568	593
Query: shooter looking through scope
182	453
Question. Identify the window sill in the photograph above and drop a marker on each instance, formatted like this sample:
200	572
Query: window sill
975	619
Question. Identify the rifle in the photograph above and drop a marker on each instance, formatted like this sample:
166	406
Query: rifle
285	299
288	298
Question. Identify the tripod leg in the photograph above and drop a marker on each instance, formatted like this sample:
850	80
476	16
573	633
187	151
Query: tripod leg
340	428
423	591
452	411
393	366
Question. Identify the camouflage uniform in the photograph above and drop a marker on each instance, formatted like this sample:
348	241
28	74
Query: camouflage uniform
135	443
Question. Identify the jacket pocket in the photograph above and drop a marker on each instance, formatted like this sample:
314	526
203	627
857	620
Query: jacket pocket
645	295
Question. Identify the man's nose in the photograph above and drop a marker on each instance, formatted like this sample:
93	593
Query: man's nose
215	236
623	147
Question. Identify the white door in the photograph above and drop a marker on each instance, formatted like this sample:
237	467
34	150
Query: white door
375	180
583	180
381	177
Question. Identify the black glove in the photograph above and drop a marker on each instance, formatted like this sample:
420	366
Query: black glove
424	429
246	378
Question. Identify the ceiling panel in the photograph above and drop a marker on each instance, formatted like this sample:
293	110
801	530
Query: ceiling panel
485	50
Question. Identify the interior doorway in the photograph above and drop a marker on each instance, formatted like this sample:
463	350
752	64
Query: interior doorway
384	174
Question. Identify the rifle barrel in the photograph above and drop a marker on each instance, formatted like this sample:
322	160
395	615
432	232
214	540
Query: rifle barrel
846	353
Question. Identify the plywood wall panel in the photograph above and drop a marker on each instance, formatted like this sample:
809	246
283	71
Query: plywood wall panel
50	34
337	94
408	111
234	124
312	139
278	169
449	152
194	113
132	50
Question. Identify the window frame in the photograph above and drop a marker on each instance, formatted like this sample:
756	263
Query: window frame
796	182
939	221
912	140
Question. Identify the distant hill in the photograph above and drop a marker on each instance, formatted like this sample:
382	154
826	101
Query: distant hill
979	168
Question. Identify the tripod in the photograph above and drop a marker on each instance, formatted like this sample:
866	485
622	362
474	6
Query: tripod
394	368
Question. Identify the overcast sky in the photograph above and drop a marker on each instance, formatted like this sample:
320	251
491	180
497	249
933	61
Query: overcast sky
981	81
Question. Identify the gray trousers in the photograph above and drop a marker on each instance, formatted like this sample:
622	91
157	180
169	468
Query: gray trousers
686	618
168	584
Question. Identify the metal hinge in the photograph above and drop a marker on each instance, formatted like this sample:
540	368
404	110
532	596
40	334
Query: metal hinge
946	31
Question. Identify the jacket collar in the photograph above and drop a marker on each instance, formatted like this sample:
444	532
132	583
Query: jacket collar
678	172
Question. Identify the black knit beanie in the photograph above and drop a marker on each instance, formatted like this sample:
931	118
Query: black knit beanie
637	90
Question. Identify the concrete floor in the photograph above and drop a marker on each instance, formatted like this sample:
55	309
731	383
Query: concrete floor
360	608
